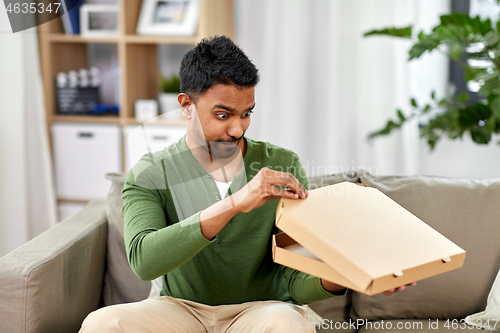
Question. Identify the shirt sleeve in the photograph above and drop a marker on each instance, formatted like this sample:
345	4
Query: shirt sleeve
153	247
303	287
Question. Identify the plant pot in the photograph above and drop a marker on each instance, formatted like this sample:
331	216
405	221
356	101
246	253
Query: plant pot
169	106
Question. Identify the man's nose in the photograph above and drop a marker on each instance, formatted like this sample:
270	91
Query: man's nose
235	129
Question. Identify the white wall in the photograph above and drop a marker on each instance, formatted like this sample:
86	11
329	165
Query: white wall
461	158
13	193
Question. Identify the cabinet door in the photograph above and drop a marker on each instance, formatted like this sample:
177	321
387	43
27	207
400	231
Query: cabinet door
83	154
140	140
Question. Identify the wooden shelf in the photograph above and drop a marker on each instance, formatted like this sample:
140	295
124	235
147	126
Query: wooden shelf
82	201
137	61
62	38
132	39
156	122
137	39
86	119
114	120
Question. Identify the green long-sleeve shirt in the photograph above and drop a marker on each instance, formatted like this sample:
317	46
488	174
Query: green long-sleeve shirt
163	197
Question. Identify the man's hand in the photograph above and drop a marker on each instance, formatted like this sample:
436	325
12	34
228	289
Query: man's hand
330	286
262	189
333	287
394	290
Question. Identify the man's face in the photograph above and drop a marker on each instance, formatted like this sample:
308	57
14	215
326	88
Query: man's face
221	118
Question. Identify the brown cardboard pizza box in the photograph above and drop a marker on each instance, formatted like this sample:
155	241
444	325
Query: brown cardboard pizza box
358	237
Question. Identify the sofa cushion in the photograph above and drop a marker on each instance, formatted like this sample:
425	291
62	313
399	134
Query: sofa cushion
121	285
320	181
492	311
467	212
336	308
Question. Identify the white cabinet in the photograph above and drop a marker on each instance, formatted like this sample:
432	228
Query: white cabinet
139	140
83	154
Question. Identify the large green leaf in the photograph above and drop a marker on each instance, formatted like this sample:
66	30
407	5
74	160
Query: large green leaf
485	27
494	103
425	43
463	97
458	34
444	33
466	23
471	115
471	73
491	84
492	39
386	130
401	116
456	50
404	32
480	135
482	55
475	24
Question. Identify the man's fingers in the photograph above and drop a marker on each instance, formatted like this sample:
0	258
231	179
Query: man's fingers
288	180
389	292
273	177
400	288
279	192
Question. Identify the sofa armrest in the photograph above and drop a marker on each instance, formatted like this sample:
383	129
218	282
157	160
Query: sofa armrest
52	282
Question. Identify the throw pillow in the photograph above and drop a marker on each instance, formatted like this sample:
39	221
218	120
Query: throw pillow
489	319
121	285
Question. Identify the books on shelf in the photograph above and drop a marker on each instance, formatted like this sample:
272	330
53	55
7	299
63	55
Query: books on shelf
71	16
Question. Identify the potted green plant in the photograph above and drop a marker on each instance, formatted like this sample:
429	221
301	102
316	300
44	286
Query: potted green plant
167	98
462	38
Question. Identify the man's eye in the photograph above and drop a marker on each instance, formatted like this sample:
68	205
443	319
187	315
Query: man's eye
222	115
247	114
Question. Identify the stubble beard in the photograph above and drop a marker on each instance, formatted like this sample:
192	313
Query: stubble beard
218	149
215	148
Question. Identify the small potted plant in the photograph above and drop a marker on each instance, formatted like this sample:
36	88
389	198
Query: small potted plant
167	98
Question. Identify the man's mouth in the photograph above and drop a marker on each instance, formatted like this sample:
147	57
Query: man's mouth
229	144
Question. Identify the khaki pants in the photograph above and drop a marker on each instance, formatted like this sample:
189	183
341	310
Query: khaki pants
168	314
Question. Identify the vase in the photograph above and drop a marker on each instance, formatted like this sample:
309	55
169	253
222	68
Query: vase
169	106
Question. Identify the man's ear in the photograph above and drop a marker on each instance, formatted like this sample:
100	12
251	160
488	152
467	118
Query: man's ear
185	101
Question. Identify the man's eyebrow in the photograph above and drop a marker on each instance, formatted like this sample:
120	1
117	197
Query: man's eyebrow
230	109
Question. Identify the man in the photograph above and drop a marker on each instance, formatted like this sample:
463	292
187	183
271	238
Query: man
201	214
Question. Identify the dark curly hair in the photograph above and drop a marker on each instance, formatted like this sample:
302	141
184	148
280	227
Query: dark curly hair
215	60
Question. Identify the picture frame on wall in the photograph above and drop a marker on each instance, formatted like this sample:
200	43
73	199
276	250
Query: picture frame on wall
168	17
99	20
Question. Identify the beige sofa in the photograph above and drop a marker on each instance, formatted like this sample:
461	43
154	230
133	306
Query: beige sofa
51	283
